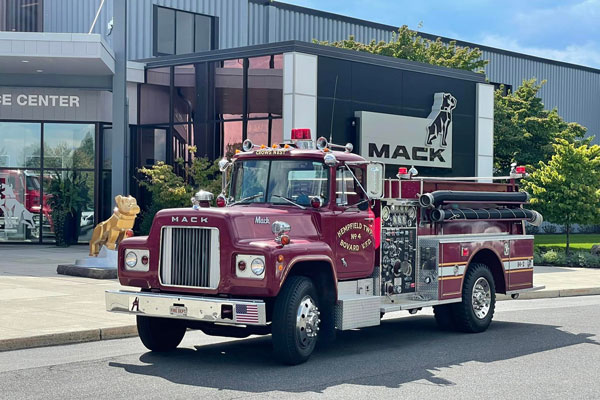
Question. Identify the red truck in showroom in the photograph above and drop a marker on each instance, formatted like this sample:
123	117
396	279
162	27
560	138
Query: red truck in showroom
307	240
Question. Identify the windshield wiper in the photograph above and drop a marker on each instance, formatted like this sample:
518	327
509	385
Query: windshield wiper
240	201
289	201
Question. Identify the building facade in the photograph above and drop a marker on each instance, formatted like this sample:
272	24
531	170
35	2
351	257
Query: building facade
212	73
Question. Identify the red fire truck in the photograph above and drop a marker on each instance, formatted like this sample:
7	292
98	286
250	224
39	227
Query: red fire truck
305	241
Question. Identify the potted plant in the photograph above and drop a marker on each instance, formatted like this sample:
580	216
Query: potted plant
68	194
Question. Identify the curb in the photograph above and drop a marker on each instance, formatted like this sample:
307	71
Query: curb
550	294
55	339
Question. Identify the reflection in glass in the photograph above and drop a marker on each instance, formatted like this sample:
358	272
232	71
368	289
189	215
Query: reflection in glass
185	32
69	146
80	224
19	205
153	145
229	89
265	85
184	102
20	145
232	136
165	30
203	33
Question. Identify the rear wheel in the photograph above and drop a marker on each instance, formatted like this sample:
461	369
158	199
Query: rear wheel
295	320
475	312
160	334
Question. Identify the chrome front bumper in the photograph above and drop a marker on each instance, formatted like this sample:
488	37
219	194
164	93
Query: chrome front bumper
193	308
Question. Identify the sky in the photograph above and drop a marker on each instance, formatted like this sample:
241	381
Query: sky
567	30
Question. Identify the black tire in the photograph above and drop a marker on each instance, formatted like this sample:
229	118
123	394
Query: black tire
288	344
444	317
465	312
160	334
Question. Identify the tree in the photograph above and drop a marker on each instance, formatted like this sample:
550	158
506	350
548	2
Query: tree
409	45
566	190
523	131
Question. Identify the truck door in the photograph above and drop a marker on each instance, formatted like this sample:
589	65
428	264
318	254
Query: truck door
354	246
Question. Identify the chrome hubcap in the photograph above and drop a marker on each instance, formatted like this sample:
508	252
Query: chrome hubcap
482	298
307	321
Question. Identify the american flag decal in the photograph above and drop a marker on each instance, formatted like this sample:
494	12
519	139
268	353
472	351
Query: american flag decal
246	313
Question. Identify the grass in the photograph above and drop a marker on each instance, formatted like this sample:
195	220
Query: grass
579	241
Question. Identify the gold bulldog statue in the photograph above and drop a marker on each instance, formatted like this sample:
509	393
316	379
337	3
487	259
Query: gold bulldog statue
110	232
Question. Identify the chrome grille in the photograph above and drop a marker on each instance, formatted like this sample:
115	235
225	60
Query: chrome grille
190	257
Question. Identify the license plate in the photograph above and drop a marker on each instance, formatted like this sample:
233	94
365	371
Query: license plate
178	310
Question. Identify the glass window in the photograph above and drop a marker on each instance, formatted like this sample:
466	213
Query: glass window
155	97
279	181
153	145
81	225
229	89
164	30
347	190
232	136
181	32
107	147
184	101
69	146
203	33
185	33
265	85
21	15
20	144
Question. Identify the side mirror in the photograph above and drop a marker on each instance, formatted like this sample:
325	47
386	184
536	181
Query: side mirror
375	173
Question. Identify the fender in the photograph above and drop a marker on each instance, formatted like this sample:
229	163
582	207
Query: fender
316	257
496	257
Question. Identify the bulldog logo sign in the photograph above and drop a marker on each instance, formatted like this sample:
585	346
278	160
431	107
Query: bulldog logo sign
403	140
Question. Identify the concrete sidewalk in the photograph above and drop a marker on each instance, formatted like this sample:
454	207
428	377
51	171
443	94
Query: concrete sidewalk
39	307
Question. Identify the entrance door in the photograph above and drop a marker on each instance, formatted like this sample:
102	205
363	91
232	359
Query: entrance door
354	241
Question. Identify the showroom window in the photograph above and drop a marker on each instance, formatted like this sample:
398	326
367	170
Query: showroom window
33	155
182	32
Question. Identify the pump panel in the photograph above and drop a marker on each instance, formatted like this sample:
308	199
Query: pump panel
398	247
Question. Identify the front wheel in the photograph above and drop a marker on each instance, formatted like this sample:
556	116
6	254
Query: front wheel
475	312
296	320
160	334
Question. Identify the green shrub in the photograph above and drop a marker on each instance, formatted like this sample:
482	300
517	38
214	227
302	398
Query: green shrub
532	229
550	257
559	258
549	228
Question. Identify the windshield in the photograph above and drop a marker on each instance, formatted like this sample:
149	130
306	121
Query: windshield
274	181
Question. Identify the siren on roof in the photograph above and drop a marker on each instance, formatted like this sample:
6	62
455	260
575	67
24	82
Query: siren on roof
301	137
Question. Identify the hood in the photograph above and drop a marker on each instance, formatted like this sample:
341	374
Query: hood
245	222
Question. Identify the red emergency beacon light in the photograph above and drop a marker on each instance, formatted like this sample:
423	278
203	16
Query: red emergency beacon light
520	169
301	136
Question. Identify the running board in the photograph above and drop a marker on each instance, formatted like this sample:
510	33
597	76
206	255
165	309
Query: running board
406	304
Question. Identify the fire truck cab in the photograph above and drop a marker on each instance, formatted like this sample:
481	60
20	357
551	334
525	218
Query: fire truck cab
308	240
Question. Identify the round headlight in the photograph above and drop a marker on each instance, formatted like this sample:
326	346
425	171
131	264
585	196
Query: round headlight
258	266
131	259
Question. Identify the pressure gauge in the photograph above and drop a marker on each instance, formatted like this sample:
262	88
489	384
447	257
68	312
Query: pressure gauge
412	213
385	213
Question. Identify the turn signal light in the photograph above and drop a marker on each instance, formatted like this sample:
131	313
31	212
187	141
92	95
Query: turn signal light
145	260
520	169
280	258
285	240
242	265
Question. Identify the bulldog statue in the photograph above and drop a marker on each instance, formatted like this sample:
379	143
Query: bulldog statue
110	232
